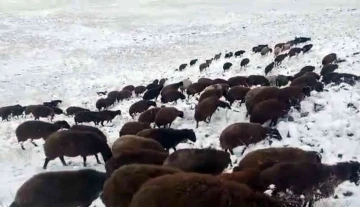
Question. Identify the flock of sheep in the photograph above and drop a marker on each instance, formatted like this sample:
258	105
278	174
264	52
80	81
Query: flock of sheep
140	171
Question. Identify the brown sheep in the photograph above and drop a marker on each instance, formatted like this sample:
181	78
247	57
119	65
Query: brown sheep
75	143
262	95
139	90
166	116
149	115
205	80
196	88
134	156
328	59
308	179
206	108
140	106
73	109
133	127
127	180
172	96
207	161
271	109
237	93
76	187
253	92
36	130
135	142
212	92
219	81
237	81
90	129
277	154
198	190
40	111
239	134
171	87
308	80
130	88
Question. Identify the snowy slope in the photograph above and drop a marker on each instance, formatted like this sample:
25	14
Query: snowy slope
70	49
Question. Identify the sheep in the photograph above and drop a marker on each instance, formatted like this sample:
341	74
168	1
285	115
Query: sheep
36	130
168	137
17	110
270	109
282	80
134	156
40	111
294	51
219	81
106	115
258	48
196	88
305	69
218	92
205	81
198	190
264	94
328	59
92	129
206	108
116	190
239	53
152	93
186	84
130	88
237	93
280	45
125	94
166	116
61	188
244	62
209	61
228	55
277	51
172	96
253	92
286	46
152	85
227	66
58	111
307	80
140	106
74	143
217	56
206	161
328	69
133	127
254	80
255	158
239	134
52	104
237	81
103	103
74	109
269	67
171	87
338	78
139	90
135	142
14	110
112	96
307	48
309	179
299	40
278	60
148	116
182	67
264	51
86	116
193	62
203	66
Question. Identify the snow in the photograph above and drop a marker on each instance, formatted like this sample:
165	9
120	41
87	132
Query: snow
69	50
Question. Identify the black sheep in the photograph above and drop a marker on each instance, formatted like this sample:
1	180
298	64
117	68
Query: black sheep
254	80
193	62
307	48
237	81
107	115
86	116
153	85
299	40
269	67
228	55
244	62
182	66
239	53
339	78
103	103
328	59
152	93
74	109
217	56
294	51
278	60
203	66
40	111
14	110
227	66
139	90
328	69
172	96
53	103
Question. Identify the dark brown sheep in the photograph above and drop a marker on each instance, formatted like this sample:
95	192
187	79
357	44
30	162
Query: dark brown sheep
40	111
328	59
107	116
277	154
90	129
171	87
240	134
96	117
294	51
203	66
166	116
253	92
237	81
206	108
127	180
37	129
212	92
139	90
278	60
15	110
205	80
103	103
237	93
149	115
134	156
72	143
308	80
198	190
133	127
140	106
309	179
196	88
253	80
219	81
76	187
168	137
326	69
135	142
153	93
264	94
172	96
130	88
206	161
271	109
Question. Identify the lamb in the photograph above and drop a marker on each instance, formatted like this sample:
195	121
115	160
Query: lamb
203	66
237	81
269	67
94	130
148	116
40	111
135	142
193	62
307	48
168	137
239	134
72	110
306	178
217	56
205	81
74	143
271	109
255	158
278	60
171	87
244	62
198	190
239	53
328	69
76	187
152	93
218	92
133	127
206	108
116	190
139	90
172	96
294	51
134	156
196	88
166	116
237	93
277	51
182	66
227	66
37	129
58	111
103	103
282	80
140	106
253	80
206	161
328	59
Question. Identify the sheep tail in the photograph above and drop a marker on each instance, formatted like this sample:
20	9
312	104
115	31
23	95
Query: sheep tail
14	204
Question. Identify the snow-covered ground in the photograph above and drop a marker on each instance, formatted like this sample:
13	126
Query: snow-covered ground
69	50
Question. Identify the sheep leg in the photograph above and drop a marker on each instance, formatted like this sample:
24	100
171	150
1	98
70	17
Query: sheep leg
22	145
197	124
84	159
47	160
243	150
230	150
63	160
97	159
102	123
174	148
247	114
32	142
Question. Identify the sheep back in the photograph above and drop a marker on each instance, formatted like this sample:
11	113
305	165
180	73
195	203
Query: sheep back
167	115
133	127
269	110
135	142
92	129
149	115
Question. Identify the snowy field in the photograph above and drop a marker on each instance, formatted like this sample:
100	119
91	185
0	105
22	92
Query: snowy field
70	49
